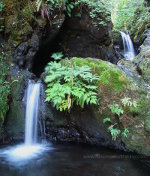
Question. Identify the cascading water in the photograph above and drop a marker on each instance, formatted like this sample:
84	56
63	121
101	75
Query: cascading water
33	93
31	148
129	51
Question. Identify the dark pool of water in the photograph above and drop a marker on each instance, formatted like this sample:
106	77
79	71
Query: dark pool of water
75	160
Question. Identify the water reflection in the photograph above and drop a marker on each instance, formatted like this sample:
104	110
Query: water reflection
69	160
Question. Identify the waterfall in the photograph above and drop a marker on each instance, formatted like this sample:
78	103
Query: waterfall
129	52
33	94
30	149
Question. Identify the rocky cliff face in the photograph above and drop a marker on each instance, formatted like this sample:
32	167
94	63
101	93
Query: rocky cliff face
142	61
32	39
81	37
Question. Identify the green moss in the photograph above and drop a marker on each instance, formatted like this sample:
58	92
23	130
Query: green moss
15	116
143	62
19	17
138	32
110	75
4	89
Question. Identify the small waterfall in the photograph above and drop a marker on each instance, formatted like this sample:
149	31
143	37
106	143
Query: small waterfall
129	52
20	154
33	94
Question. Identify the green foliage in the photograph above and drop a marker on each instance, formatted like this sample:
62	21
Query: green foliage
69	6
107	119
38	4
70	84
114	132
51	6
128	102
4	89
116	109
109	76
125	13
125	132
57	56
95	7
1	18
1	6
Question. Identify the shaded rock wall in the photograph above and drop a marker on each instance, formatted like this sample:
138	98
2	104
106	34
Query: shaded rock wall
32	40
142	61
14	121
80	37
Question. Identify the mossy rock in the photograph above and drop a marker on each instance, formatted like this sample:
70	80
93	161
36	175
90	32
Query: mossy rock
147	122
139	33
113	87
109	74
19	17
142	62
15	117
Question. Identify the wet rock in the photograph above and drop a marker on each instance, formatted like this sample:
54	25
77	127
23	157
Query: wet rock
79	37
22	49
142	61
86	125
14	122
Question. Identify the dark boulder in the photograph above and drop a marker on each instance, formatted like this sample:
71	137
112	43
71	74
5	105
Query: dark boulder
83	36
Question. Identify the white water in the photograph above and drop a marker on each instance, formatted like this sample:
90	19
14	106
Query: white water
20	154
33	93
129	51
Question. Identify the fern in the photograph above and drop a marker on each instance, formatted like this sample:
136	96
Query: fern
57	56
116	109
69	85
38	4
4	89
125	133
107	119
128	102
114	132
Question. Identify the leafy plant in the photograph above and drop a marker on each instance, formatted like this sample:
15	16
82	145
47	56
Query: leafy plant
69	85
107	119
95	8
4	89
115	108
1	6
125	13
69	7
1	18
125	132
128	102
114	132
57	56
38	4
51	5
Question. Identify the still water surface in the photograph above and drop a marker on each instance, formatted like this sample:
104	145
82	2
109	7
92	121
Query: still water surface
75	160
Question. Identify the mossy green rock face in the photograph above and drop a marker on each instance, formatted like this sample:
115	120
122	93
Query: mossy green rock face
147	122
142	62
113	87
15	119
18	15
